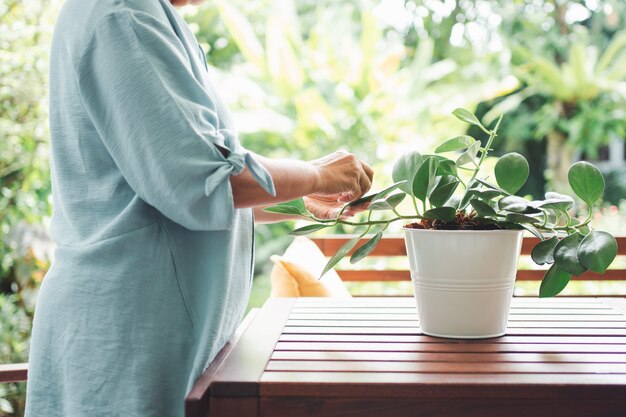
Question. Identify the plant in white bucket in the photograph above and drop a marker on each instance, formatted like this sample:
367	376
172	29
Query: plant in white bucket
464	235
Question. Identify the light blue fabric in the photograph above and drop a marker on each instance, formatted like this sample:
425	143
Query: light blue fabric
153	267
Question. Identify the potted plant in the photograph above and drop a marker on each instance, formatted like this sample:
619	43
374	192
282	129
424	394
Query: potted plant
464	235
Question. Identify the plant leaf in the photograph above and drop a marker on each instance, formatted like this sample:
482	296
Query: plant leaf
521	218
554	281
405	169
378	195
456	143
597	251
305	230
516	204
469	155
444	190
441	213
543	252
491	186
366	248
586	181
487	195
294	207
483	209
395	199
566	254
424	180
555	201
512	172
341	253
467	117
387	204
446	166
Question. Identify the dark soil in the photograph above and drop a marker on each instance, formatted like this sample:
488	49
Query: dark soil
462	222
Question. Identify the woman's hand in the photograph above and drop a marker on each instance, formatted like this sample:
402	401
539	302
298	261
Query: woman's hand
342	176
328	207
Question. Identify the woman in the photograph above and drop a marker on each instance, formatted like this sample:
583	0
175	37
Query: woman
153	214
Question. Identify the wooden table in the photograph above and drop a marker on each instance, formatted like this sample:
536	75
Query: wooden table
366	357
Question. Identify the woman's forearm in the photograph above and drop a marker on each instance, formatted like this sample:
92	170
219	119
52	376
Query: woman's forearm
292	179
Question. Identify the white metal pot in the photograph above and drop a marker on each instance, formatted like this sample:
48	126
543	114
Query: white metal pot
463	280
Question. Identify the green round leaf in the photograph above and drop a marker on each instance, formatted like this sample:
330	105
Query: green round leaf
554	281
387	204
446	166
586	181
555	201
512	172
424	180
566	254
395	199
521	218
405	168
441	213
543	252
455	144
366	249
597	251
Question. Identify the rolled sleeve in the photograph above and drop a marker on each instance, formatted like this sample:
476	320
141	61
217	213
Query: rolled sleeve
159	123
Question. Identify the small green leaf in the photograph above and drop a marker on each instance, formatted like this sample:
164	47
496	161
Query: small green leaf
405	169
543	252
295	207
378	195
532	230
555	201
305	230
444	190
597	251
469	156
512	172
566	254
395	199
340	254
467	117
387	204
446	166
522	218
554	281
487	195
441	213
586	181
424	180
492	187
454	144
516	204
366	249
483	209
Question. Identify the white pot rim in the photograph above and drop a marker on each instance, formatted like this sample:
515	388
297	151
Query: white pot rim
412	230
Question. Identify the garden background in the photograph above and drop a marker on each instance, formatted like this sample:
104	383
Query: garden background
307	77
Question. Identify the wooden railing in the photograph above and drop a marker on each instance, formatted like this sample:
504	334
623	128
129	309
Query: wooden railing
394	246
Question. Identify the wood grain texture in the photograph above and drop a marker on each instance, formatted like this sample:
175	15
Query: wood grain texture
13	372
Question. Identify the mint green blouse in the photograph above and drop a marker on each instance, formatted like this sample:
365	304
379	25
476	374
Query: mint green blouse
153	266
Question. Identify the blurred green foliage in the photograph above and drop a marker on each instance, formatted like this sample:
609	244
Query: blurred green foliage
304	78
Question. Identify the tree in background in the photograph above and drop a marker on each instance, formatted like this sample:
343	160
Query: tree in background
571	60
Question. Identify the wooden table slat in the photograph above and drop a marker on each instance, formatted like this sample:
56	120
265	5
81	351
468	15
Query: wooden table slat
448	367
449	356
359	338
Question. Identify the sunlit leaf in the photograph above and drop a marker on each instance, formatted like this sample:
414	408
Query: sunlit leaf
405	168
441	213
455	144
512	172
424	180
295	207
305	230
467	117
340	254
366	248
586	181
